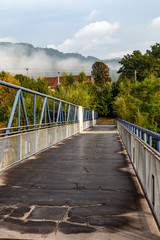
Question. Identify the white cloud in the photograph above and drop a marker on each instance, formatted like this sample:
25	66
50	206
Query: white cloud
119	54
91	15
51	46
93	39
8	39
155	23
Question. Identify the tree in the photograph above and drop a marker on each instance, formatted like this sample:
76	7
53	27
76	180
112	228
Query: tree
67	79
7	96
104	101
71	79
155	51
82	77
135	66
138	66
100	73
139	103
74	93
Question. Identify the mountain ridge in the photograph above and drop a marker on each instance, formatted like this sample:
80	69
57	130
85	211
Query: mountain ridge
25	55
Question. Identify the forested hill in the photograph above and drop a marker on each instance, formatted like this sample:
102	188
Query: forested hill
44	62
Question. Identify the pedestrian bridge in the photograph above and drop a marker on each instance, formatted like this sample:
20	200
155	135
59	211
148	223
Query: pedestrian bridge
74	178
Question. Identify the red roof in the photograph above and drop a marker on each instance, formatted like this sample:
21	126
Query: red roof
53	81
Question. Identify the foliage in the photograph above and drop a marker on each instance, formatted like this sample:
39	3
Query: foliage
67	79
40	85
104	101
136	97
135	66
81	93
100	73
82	77
7	96
139	103
138	66
155	51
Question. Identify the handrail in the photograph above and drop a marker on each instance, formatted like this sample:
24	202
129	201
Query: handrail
145	134
66	111
33	92
34	128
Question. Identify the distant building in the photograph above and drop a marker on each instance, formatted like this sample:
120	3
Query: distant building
53	81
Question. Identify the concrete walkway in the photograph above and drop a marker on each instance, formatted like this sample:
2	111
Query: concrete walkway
83	188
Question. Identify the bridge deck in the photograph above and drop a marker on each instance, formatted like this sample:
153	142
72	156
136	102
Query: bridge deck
83	188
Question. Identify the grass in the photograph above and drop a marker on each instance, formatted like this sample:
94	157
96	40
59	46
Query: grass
105	120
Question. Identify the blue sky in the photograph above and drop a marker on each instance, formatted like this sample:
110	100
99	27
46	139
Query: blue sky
100	28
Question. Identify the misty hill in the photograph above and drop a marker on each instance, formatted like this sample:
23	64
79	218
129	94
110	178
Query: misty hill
47	62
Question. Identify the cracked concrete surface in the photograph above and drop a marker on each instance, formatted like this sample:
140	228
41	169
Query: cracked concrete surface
84	188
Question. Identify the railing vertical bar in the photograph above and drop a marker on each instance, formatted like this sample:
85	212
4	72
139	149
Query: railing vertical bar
24	109
150	140
42	113
45	116
13	110
139	134
65	113
53	112
68	115
59	113
19	113
62	115
158	145
144	137
34	111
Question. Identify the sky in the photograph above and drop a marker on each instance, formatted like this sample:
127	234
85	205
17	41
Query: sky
99	28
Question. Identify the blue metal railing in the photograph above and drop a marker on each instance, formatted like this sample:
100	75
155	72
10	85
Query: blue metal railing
95	115
87	114
45	112
148	136
66	113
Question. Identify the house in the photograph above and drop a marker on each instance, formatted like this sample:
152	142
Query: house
54	81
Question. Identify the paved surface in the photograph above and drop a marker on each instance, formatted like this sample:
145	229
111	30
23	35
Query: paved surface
83	188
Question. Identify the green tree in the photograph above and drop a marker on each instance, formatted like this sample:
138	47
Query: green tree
74	93
139	103
41	85
67	79
100	73
155	51
104	101
135	66
7	96
82	77
138	66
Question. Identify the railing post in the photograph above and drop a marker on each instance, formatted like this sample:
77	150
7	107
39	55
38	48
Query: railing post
158	145
80	118
93	118
65	114
53	112
34	120
144	137
19	113
150	140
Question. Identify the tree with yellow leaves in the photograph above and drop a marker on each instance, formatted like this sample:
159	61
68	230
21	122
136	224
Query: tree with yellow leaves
7	96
